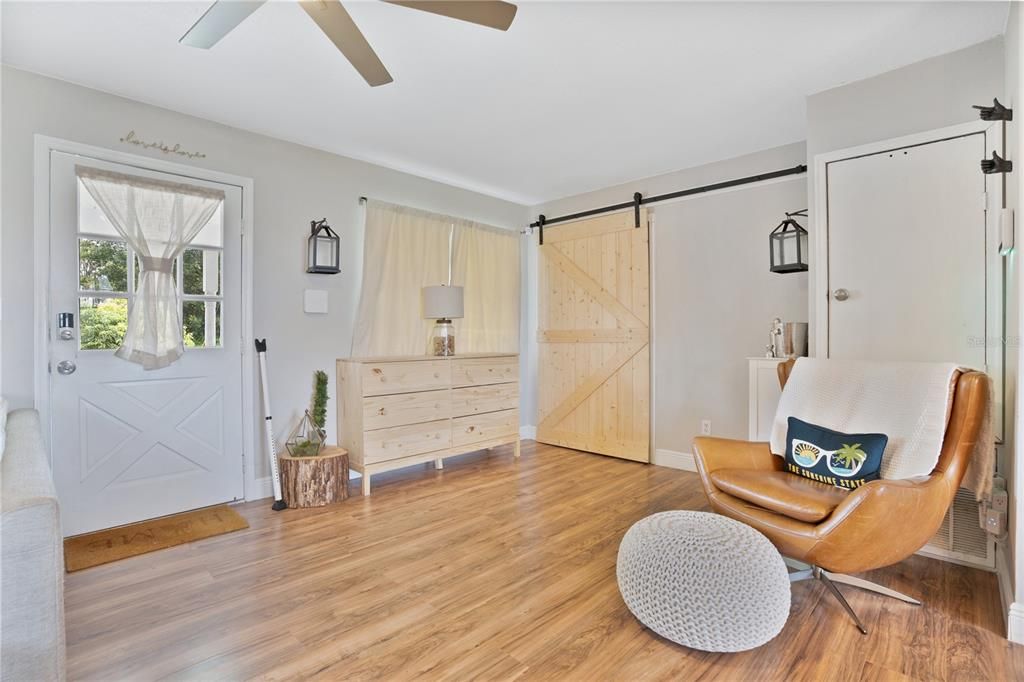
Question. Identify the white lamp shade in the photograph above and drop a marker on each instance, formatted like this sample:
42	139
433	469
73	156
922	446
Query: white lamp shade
441	302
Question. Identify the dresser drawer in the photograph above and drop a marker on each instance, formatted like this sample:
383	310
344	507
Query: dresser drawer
480	399
481	427
383	378
483	371
383	411
404	441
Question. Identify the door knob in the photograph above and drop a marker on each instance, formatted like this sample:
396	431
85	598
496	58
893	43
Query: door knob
66	367
840	294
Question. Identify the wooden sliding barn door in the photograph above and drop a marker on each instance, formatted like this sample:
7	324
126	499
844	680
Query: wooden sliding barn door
593	334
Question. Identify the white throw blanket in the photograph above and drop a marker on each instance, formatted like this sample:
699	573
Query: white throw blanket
907	401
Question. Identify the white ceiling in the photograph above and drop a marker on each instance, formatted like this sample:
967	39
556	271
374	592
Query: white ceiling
574	97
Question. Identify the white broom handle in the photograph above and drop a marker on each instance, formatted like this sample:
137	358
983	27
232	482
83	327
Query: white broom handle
268	423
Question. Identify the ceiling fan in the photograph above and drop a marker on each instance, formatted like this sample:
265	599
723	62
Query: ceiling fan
337	24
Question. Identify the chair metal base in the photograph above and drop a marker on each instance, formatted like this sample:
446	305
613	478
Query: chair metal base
808	572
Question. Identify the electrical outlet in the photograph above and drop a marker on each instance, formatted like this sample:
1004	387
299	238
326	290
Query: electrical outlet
705	427
995	522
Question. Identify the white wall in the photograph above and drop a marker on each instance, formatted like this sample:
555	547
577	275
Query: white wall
293	185
714	297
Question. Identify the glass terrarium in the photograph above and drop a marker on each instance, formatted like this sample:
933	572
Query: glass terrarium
306	439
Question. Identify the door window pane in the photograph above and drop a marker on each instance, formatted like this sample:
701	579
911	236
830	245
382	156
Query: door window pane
91	219
102	322
218	343
212	233
201	324
102	265
201	272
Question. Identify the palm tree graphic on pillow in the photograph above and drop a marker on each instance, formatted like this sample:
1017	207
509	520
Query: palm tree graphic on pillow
847	460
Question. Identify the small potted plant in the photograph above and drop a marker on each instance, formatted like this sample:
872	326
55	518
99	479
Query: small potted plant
313	475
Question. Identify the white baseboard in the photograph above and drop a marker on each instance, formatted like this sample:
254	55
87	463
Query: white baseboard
1004	578
528	432
263	488
1015	623
674	460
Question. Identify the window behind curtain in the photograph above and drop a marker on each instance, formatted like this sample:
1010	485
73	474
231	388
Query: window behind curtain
486	262
406	249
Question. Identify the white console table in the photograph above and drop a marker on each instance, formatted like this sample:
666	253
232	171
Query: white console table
763	396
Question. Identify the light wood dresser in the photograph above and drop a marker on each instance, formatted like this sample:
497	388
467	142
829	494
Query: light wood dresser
393	412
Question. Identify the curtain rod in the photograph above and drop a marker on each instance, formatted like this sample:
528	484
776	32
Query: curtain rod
640	200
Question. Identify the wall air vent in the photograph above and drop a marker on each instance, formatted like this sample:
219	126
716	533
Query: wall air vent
961	538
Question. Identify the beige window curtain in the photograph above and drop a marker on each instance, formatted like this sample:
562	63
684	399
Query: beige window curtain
157	219
406	249
486	263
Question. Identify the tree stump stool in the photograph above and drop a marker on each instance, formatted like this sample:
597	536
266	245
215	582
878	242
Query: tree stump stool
314	481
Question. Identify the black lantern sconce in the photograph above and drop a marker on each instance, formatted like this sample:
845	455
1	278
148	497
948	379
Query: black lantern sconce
323	255
788	245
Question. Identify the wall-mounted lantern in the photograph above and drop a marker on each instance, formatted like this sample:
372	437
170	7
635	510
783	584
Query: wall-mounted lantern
788	245
324	249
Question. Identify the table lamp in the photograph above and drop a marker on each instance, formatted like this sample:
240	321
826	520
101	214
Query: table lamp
442	303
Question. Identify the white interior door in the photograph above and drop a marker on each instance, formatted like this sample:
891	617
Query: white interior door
130	444
913	266
908	254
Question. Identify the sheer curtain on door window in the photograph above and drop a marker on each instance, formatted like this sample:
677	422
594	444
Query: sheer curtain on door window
157	219
486	262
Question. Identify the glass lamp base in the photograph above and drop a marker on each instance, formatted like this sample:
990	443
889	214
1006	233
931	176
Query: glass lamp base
442	342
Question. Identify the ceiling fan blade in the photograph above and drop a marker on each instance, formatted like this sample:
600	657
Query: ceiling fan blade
490	13
335	21
218	21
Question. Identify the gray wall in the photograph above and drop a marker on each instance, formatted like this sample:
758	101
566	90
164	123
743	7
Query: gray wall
714	297
293	185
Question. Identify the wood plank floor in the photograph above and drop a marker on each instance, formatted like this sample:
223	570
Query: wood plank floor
492	569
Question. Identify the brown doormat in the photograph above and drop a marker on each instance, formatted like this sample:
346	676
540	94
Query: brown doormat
104	546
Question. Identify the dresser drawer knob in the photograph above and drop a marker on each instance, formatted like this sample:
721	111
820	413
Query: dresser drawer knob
378	371
470	429
381	411
437	375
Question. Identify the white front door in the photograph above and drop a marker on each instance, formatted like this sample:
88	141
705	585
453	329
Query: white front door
130	444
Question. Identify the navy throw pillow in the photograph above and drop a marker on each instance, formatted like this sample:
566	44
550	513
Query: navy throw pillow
841	459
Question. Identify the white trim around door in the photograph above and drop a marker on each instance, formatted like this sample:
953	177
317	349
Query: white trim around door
253	488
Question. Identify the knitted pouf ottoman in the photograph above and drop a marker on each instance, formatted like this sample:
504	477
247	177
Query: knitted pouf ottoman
703	580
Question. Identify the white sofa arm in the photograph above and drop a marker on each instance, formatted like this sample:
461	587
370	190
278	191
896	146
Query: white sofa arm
32	643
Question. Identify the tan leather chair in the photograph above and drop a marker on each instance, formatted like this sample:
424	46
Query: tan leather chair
826	532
